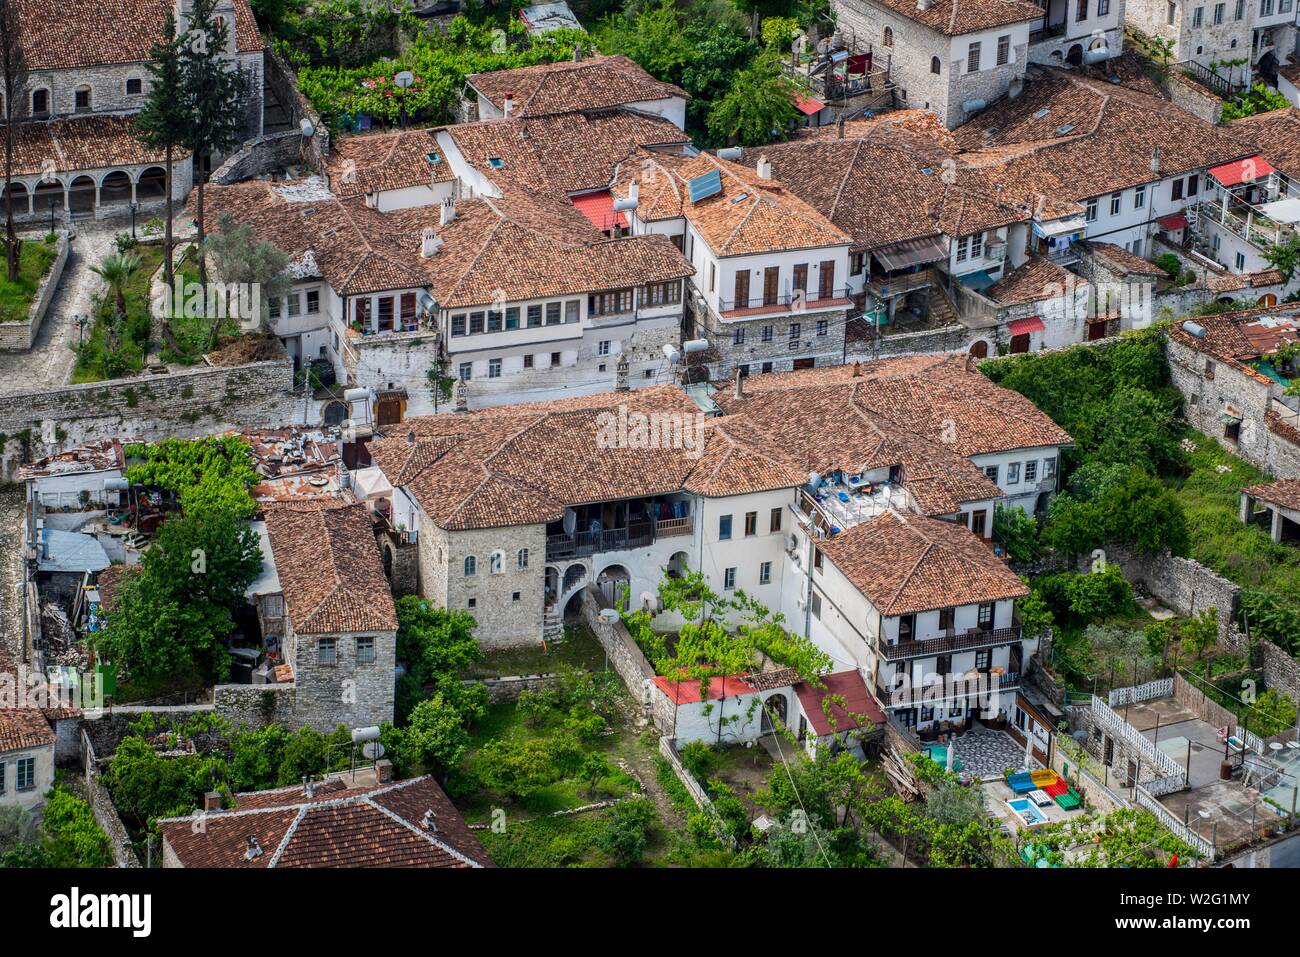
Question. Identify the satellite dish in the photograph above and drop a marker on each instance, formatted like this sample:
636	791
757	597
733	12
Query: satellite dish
609	616
373	750
404	79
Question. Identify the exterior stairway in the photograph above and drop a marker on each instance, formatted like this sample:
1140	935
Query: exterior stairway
942	310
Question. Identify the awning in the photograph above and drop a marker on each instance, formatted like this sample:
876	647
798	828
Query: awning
1173	222
1285	211
979	281
914	252
808	106
1022	327
1058	227
1242	171
599	208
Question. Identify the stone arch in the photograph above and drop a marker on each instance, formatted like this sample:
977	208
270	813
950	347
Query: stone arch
980	348
1268	299
1075	55
335	413
551	584
573	575
612	580
115	190
83	98
151	185
388	560
936	65
81	195
41	102
678	565
48	191
20	198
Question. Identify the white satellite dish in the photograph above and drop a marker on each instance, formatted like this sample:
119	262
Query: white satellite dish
404	79
373	750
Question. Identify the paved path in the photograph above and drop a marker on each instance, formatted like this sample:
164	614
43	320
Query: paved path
48	365
11	569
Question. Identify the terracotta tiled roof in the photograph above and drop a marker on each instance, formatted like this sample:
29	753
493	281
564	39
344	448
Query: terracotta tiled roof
1225	336
928	191
908	563
109	583
376	162
593	83
1285	492
748	215
523	246
24	728
1275	134
956	17
81	34
1069	137
1120	260
378	826
561	153
329	569
1037	280
82	142
850	703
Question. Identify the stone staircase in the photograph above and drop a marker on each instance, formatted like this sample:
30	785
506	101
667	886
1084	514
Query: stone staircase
942	309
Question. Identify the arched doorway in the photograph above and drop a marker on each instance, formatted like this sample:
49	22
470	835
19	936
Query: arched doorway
388	561
20	200
152	185
1075	56
980	349
774	713
574	575
1268	299
677	566
613	582
81	196
335	413
48	193
115	190
551	580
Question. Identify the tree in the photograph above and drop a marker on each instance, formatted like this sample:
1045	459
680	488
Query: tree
116	270
1259	99
654	39
13	64
163	122
1200	633
238	257
758	107
214	97
1143	513
1284	257
517	768
205	558
17	826
594	767
75	840
145	785
436	736
1017	532
624	834
435	642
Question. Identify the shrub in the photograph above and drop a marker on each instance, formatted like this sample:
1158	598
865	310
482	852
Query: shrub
75	840
1017	532
1170	263
698	758
625	832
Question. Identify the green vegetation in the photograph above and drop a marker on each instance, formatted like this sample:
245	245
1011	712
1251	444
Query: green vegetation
117	342
16	298
208	476
1260	98
67	835
1128	837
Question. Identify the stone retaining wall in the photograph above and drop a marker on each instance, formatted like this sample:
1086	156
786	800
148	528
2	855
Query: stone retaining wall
1206	708
511	687
254	706
101	805
626	659
19	336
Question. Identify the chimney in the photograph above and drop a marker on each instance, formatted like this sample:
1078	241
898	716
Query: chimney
410	437
308	787
447	213
508	104
577	53
460	395
857	370
254	849
738	383
1155	159
764	168
429	822
383	770
212	801
634	191
620	374
429	242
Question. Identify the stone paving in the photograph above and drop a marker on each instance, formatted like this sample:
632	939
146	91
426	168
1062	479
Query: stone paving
48	364
985	753
11	568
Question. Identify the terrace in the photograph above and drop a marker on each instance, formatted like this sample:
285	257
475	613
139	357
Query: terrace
841	502
614	526
971	639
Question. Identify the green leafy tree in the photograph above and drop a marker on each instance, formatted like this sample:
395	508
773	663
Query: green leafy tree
17	826
1260	98
1143	513
517	768
163	121
654	39
1035	614
594	767
1017	532
75	840
116	270
145	785
1200	633
237	256
758	107
256	756
208	558
436	736
625	833
1284	257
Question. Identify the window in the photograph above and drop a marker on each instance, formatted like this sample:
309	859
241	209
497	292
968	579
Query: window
817	558
512	317
1176	189
817	606
1218	13
906	628
888	38
1171	12
1198	17
767	333
496	563
713	276
40	102
295	308
741	289
26	776
738	336
1240	12
572	310
1049	468
857	263
1209	369
134	86
744	369
800	281
327	651
984	659
528	361
600	304
794	330
273	308
521	560
1013	473
962	249
661	293
823	326
494	368
826	280
476	320
1081	11
751	523
943	665
977	246
729	578
365	651
1265	8
555	358
1091	214
602	347
947	618
1140	197
1103	8
1193	185
935	64
494	320
1108	752
471	566
313	301
534	316
973	58
985	618
1241	262
992	473
458	325
471	604
466	371
765	573
553	312
81	99
771	285
776	520
1116	203
1004	49
1031	471
724	527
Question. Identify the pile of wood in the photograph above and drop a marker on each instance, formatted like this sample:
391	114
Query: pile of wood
901	774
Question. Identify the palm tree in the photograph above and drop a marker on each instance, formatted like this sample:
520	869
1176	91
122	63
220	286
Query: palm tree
116	270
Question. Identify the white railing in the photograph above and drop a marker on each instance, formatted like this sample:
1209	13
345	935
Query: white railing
1172	773
1160	688
1175	826
1250	739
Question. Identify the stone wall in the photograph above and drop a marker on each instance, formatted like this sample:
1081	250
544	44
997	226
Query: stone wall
255	706
280	78
261	157
1207	709
626	659
945	339
18	336
511	687
402	562
1189	95
101	805
349	692
187	403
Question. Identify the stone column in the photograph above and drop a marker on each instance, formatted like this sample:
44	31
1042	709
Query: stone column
1245	508
1275	531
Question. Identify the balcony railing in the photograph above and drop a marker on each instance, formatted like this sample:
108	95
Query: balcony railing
886	287
665	528
972	639
581	544
1252	226
785	302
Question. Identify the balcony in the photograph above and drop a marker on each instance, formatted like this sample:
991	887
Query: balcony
582	544
887	287
974	638
668	527
1247	222
788	302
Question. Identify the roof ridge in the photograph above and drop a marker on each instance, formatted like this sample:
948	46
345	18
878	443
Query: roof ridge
420	832
289	832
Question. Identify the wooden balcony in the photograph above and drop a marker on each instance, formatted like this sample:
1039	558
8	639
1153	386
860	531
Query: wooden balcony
668	527
969	641
581	544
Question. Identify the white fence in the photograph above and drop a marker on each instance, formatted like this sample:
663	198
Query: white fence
1175	826
1172	775
1160	688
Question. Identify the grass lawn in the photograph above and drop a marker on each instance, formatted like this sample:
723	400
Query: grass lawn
580	649
570	841
97	358
16	297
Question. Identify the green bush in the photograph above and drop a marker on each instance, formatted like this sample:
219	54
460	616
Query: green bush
625	833
74	839
34	262
1170	263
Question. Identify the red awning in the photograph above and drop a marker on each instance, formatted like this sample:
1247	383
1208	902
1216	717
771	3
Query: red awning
1174	221
599	208
808	106
1242	171
1022	327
